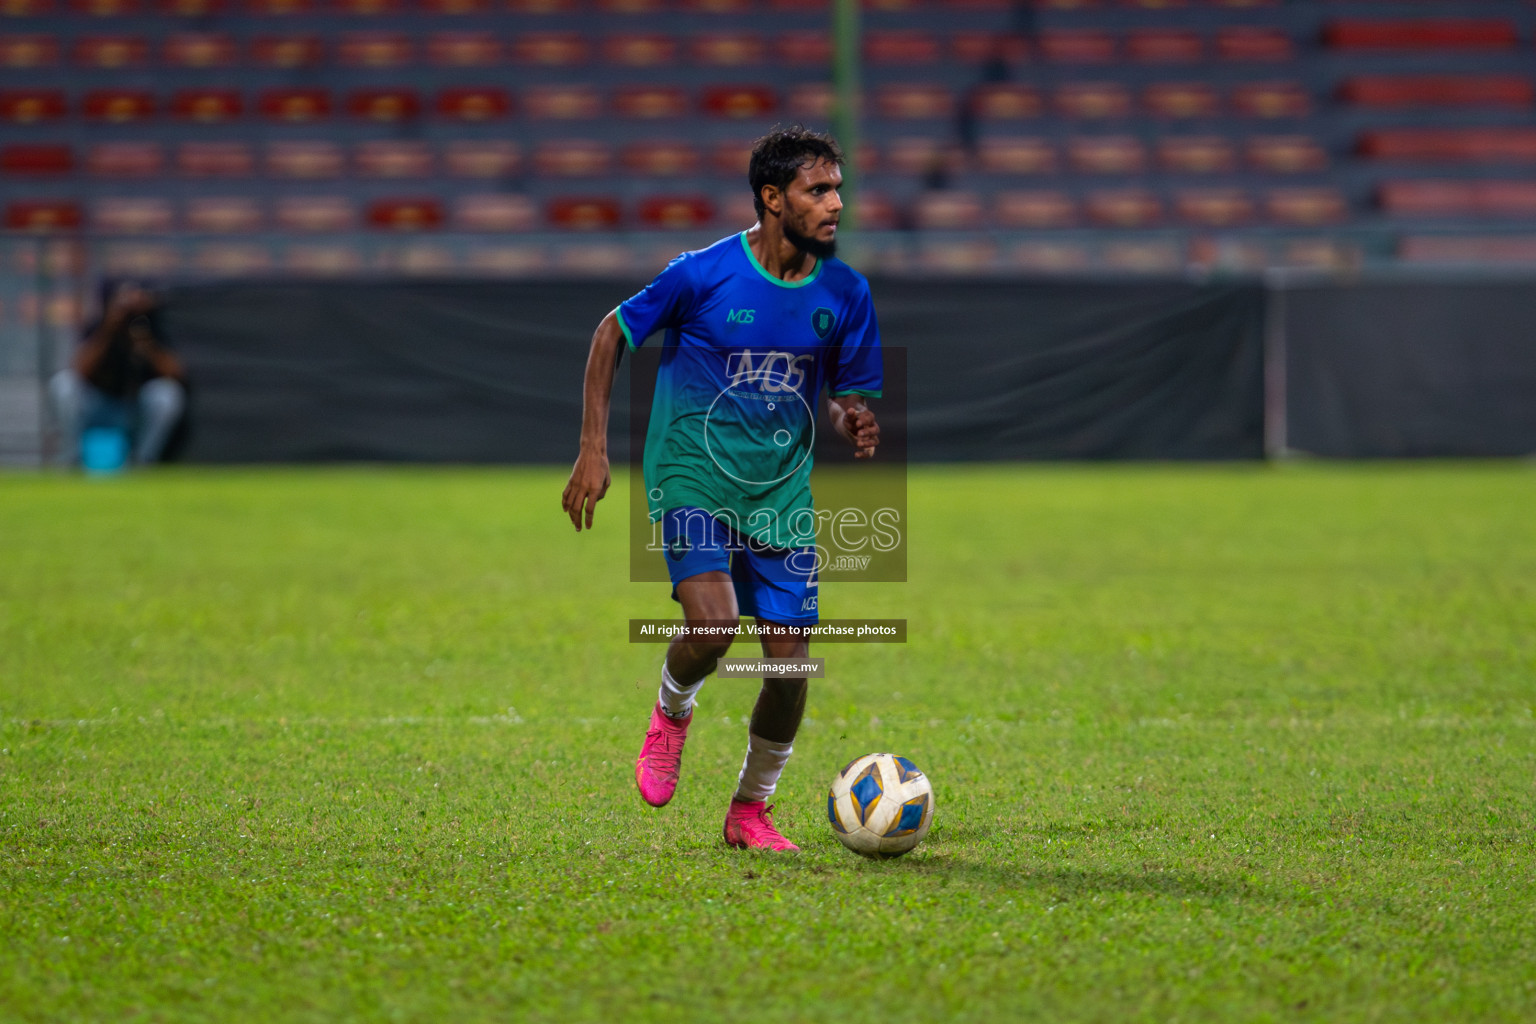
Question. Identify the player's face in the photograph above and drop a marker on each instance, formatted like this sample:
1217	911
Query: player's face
812	208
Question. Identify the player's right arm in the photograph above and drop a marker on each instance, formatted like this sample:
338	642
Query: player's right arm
590	477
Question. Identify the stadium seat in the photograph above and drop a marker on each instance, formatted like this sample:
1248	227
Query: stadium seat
1093	100
25	8
136	215
314	213
198	50
1035	208
550	49
277	8
640	50
295	105
676	213
1123	208
140	259
630	6
573	158
288	51
740	101
405	214
563	102
375	50
1196	154
105	8
1077	46
1143	256
727	49
207	106
1016	156
464	49
36	159
1285	154
904	47
456	7
305	160
1504	199
506	260
1165	46
915	154
1181	100
482	158
473	104
970	47
125	160
1271	100
393	158
542	6
29	106
1397	91
1107	154
660	159
118	106
231	259
811	101
110	51
731	158
914	102
584	213
499	212
718	6
650	101
42	215
1421	34
1454	145
948	211
215	159
223	214
1006	101
384	104
30	50
368	7
1213	207
191	8
1468	249
1048	257
1306	206
804	47
1240	43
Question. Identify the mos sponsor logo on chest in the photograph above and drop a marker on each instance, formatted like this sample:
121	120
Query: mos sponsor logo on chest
740	316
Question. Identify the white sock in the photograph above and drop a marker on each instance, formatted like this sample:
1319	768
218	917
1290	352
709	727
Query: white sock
676	699
760	770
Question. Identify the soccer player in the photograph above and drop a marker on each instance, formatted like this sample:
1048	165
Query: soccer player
756	325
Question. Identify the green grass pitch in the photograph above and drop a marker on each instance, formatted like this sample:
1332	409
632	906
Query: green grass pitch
1228	743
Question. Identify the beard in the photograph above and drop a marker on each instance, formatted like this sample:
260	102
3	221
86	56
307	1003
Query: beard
812	246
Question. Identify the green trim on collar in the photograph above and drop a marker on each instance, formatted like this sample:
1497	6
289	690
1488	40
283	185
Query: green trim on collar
807	279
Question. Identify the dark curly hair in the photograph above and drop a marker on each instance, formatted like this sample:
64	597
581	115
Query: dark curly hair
778	156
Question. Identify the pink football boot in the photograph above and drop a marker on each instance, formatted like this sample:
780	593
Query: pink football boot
661	757
749	826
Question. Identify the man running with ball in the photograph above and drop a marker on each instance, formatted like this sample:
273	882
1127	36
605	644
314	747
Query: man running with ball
756	325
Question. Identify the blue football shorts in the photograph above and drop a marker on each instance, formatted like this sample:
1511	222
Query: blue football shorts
775	584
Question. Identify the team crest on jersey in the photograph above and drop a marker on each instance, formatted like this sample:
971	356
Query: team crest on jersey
822	322
678	549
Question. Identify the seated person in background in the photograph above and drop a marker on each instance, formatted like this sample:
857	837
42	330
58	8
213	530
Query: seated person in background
122	378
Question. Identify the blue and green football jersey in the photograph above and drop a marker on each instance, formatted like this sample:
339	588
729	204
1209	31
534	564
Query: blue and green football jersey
745	357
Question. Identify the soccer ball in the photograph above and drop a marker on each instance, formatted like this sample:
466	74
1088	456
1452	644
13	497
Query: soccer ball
880	805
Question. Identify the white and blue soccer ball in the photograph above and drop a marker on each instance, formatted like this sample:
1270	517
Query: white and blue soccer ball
880	805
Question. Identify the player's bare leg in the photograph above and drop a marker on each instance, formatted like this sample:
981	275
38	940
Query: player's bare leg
709	612
770	741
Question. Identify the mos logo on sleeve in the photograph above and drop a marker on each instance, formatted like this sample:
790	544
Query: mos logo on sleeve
822	322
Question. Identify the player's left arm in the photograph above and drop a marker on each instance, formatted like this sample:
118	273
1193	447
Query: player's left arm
855	423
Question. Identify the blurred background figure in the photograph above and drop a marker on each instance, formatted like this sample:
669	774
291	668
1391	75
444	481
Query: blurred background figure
123	381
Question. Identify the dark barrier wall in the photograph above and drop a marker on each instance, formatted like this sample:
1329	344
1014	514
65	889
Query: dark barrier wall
1411	369
491	372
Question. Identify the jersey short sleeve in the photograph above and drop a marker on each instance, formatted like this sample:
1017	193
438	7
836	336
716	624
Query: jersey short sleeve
857	368
663	303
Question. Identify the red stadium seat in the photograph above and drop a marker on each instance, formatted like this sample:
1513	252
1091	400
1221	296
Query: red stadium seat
581	213
1107	154
630	6
650	101
499	212
482	158
110	51
1198	154
573	158
804	47
295	105
660	159
29	106
892	5
677	213
731	158
305	160
1016	156
1271	100
198	50
915	102
464	49
1049	257
457	7
1214	207
1286	154
295	51
138	215
105	8
215	159
223	214
1451	145
550	49
1143	256
1181	100
118	106
471	104
1165	46
368	7
31	50
1421	34
393	158
728	49
42	215
1306	206
543	6
315	213
280	7
25	8
1397	91
916	154
740	101
1006	101
405	214
1154	5
384	104
208	106
125	160
811	101
640	50
1254	44
191	8
1077	46
1464	249
1093	100
970	47
563	102
1124	208
948	211
905	47
1034	209
375	50
718	6
36	160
